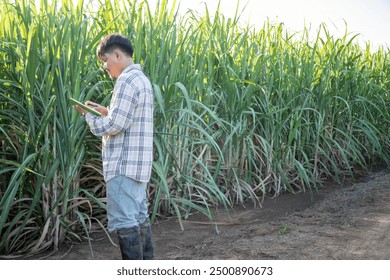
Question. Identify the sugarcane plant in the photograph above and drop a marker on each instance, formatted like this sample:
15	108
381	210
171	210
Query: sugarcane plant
240	113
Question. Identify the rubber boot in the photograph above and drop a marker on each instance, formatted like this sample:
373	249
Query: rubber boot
130	243
147	242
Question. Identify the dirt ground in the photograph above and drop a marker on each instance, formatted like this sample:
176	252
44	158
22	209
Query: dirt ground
350	222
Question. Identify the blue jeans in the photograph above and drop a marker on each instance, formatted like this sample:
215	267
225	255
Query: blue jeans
126	203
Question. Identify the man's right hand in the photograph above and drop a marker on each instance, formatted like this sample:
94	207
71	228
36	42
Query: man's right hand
101	109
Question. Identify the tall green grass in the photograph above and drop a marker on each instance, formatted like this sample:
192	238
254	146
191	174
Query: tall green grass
240	113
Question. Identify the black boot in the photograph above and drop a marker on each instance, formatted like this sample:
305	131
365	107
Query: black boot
130	243
147	242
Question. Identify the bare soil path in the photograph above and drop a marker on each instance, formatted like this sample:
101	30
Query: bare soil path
338	222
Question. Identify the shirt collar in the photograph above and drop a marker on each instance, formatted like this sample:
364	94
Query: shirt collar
132	67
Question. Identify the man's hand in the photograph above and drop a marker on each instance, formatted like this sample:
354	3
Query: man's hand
81	110
103	110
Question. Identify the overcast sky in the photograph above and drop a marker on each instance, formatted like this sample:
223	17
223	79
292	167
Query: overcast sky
370	18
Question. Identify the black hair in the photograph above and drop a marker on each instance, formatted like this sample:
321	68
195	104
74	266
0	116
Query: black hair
114	41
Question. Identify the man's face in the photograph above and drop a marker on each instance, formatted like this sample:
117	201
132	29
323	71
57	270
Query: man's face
111	64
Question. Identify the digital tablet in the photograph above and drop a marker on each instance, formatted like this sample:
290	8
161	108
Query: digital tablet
82	105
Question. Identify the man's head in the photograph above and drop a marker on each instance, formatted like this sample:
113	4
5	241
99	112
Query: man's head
116	52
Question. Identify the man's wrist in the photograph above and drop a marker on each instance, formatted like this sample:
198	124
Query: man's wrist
86	115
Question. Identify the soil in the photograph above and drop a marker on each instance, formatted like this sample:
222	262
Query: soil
348	221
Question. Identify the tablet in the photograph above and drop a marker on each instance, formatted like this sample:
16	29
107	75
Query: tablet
82	105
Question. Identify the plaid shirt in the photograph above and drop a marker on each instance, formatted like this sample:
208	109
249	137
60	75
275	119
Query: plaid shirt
127	130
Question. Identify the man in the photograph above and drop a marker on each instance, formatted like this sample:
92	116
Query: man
126	127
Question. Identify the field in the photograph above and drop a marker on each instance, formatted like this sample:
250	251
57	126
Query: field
348	222
241	115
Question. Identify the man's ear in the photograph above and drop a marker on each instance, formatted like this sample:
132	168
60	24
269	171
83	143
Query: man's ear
117	53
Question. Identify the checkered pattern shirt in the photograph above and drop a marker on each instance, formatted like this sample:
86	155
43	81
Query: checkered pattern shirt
127	130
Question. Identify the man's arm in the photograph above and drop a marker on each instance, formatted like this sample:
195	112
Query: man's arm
120	113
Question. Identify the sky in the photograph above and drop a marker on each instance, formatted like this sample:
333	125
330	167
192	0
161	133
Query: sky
369	18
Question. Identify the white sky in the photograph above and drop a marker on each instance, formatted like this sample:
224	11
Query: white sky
370	18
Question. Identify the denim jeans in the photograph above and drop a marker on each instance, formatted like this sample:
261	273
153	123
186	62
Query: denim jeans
126	203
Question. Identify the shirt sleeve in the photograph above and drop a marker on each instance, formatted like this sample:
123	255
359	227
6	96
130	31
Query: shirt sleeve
121	111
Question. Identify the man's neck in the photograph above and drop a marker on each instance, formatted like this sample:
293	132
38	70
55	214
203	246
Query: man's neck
127	62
